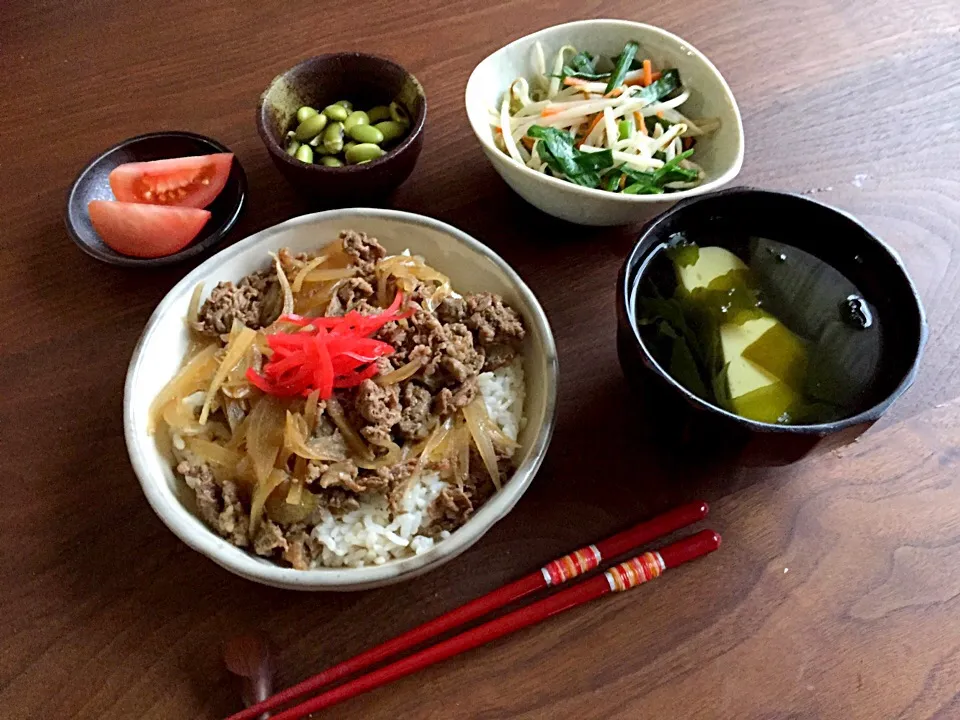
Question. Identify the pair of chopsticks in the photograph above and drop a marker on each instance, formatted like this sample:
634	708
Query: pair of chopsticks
624	576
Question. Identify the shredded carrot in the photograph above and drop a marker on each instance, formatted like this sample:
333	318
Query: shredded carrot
499	130
574	81
616	92
647	73
593	124
640	80
641	125
660	114
623	181
527	142
550	110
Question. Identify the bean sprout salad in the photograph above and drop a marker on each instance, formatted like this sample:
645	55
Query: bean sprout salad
608	123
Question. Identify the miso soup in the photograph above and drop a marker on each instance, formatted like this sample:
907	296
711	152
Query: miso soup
760	328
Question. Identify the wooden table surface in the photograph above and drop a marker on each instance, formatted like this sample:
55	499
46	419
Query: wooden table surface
837	591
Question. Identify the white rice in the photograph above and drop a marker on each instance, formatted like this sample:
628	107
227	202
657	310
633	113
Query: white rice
370	536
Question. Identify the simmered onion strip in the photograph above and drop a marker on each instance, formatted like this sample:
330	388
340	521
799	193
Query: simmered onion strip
209	451
400	374
193	310
305	270
311	411
280	509
297	440
194	376
264	487
462	471
284	286
265	426
392	457
474	415
233	354
331	274
352	438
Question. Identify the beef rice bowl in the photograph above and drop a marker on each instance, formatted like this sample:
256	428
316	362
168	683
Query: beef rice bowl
343	408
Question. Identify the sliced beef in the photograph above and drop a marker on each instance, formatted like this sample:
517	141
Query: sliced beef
364	251
448	401
415	417
268	537
497	327
219	506
301	548
253	301
452	508
458	357
450	359
379	405
353	294
338	501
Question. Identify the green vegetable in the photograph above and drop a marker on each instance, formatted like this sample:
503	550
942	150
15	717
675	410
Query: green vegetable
564	158
625	129
623	65
651	122
378	114
305	112
365	152
390	129
305	154
582	65
346	104
292	148
399	114
310	128
336	112
333	137
611	182
683	252
669	82
357	117
365	134
330	161
651	183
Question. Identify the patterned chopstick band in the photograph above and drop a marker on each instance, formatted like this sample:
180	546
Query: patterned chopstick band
569	566
635	571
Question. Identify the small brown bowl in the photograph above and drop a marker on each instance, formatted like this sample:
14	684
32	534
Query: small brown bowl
365	80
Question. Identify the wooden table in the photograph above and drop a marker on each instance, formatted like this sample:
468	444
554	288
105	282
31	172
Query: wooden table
837	591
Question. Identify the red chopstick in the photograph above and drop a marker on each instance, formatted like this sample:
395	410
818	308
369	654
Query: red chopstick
621	577
553	573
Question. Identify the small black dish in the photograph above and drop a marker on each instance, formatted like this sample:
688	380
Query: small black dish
834	237
93	184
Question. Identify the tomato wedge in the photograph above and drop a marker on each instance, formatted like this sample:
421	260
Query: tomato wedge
145	231
185	182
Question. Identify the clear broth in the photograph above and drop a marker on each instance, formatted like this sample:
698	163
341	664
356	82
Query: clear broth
824	369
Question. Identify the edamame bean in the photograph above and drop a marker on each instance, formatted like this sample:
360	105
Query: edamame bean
305	154
391	130
305	112
399	113
346	104
378	114
349	144
292	148
357	117
330	161
310	128
333	138
364	152
365	134
336	112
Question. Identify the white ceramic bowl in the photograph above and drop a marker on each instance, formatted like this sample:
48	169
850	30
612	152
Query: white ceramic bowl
720	154
471	267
